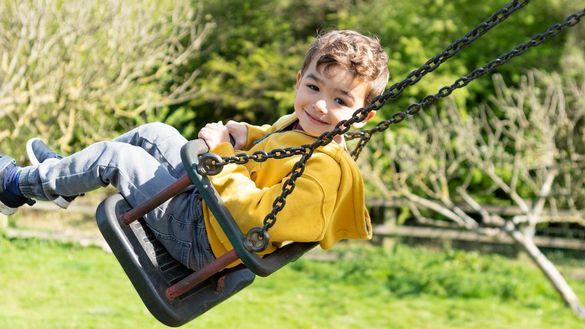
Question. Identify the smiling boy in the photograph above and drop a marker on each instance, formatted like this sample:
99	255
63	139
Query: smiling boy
342	72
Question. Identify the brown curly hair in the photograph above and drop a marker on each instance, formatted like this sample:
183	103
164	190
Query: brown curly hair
363	56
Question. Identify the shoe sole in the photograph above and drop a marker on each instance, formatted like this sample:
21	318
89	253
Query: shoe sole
5	210
60	201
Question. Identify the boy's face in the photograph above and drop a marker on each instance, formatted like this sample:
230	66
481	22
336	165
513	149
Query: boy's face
324	99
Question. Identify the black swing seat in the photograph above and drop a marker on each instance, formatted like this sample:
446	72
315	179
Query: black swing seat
152	270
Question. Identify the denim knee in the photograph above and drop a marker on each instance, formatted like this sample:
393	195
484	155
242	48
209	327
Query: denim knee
155	130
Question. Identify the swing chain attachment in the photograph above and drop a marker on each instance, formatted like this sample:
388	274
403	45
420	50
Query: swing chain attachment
256	239
209	164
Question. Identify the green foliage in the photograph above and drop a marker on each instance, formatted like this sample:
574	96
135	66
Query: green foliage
246	67
76	72
414	31
250	62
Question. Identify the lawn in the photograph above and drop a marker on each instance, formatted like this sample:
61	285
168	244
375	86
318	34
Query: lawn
55	285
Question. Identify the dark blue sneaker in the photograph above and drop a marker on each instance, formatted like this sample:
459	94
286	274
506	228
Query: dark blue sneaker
9	202
38	152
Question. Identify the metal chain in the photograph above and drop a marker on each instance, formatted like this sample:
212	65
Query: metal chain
412	109
342	127
215	164
432	64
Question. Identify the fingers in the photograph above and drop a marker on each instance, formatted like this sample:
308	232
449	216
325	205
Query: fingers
214	133
239	132
214	124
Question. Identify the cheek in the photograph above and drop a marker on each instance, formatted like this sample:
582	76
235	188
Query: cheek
301	98
297	101
343	115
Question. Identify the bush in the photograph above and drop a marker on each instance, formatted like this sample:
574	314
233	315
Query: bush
80	71
413	32
251	60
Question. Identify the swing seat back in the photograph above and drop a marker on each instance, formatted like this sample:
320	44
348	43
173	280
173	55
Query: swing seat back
152	270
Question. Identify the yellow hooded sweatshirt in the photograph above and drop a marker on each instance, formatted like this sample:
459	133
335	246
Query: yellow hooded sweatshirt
327	204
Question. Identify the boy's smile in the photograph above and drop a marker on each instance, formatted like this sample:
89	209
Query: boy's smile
326	97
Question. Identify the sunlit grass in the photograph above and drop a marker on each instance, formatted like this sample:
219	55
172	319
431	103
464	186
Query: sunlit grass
54	285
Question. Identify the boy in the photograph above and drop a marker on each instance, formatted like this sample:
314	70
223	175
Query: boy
342	72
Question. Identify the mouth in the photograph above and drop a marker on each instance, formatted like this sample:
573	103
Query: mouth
315	119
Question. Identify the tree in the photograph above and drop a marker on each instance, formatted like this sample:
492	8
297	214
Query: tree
78	71
525	149
252	58
414	31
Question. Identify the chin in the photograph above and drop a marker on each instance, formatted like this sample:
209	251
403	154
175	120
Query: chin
315	133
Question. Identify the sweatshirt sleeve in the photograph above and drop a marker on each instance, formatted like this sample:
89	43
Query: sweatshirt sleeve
255	133
307	210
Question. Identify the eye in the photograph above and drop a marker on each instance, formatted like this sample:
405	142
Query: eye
312	87
340	101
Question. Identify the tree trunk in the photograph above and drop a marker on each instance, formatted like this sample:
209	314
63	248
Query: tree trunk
550	271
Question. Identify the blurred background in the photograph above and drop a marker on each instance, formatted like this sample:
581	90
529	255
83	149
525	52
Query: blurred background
478	201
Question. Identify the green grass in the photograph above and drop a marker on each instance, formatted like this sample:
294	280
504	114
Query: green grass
51	285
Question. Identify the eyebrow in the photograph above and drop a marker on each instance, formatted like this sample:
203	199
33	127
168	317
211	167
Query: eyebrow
345	92
314	77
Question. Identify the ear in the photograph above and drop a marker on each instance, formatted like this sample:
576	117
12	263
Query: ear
299	77
358	125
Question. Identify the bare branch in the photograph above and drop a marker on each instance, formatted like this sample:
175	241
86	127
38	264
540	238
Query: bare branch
76	68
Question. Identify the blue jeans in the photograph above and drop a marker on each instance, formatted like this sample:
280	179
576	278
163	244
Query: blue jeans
139	164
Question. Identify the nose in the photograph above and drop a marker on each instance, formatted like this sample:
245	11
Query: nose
321	106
